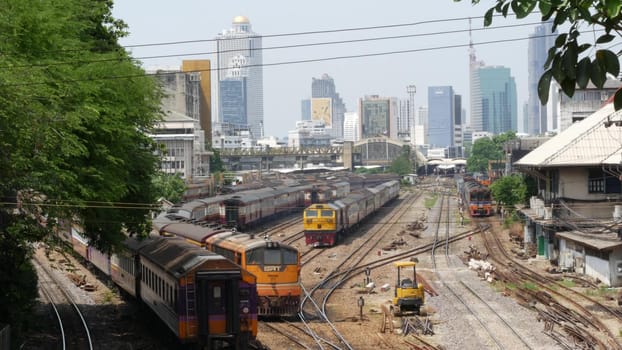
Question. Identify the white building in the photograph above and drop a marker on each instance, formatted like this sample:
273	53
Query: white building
232	45
351	127
178	134
308	133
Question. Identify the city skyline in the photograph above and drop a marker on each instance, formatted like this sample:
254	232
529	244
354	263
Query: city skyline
417	45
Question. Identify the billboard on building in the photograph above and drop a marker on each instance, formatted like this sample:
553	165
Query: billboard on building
321	110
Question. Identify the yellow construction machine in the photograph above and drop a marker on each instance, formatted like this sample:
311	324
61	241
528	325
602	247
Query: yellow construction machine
409	295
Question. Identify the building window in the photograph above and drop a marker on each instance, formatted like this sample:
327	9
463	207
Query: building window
601	182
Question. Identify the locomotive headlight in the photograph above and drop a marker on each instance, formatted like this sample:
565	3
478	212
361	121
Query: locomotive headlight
245	310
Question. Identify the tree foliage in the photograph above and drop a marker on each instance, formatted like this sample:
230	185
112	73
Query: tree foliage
486	149
509	191
74	140
402	165
169	186
570	62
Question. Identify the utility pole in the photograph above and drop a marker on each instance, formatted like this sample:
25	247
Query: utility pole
411	90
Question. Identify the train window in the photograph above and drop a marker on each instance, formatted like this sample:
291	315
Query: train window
311	213
253	257
271	256
290	257
327	213
216	300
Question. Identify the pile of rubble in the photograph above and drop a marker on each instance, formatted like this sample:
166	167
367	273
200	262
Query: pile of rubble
414	228
475	260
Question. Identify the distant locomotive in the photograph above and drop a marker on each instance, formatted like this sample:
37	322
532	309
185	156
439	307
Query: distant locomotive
203	298
276	265
326	224
476	197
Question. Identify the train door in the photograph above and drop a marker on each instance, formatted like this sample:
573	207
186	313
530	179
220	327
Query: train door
231	212
218	317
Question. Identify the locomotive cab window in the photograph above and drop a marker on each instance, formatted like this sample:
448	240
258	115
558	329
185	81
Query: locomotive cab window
290	257
327	213
311	213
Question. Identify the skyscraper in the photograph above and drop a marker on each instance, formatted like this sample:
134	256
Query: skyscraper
497	99
378	116
324	87
441	116
475	117
539	43
239	57
351	127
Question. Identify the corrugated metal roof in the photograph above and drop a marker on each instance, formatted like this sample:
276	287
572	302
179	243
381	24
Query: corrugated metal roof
596	241
584	143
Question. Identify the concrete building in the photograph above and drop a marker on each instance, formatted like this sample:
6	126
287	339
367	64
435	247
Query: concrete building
421	126
187	92
475	119
308	133
351	127
378	116
324	87
497	99
576	217
538	116
239	55
178	134
305	109
441	116
584	102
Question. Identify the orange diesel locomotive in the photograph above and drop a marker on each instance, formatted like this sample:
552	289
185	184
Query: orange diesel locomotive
276	266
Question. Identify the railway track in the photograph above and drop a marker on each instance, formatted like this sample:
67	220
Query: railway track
571	318
73	330
500	332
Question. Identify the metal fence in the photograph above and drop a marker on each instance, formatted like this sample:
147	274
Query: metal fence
5	337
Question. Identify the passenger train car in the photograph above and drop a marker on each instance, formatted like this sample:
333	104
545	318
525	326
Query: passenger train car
204	298
326	224
275	265
476	197
244	210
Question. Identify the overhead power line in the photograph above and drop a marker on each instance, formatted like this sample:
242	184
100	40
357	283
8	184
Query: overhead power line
333	58
349	41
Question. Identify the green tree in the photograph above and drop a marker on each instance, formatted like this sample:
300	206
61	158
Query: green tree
216	164
402	165
74	140
509	191
571	62
169	186
486	149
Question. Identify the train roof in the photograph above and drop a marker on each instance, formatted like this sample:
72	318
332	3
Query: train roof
354	196
195	232
316	206
242	242
179	258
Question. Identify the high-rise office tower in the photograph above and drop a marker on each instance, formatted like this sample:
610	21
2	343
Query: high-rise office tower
239	60
539	43
441	116
351	127
497	99
324	87
475	117
378	116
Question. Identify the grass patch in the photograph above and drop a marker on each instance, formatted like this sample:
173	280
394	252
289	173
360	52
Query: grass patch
567	283
602	292
530	286
429	202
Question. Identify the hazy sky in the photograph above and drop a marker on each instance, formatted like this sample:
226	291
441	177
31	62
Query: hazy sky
433	39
